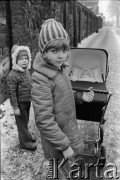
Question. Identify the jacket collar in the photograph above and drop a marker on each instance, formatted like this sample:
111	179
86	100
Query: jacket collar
45	68
18	68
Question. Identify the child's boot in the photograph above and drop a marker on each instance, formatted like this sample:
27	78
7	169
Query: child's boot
28	146
33	139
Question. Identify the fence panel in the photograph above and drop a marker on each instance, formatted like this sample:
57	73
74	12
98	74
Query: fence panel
22	20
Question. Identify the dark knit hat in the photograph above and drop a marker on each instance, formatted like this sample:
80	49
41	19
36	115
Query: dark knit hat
22	53
51	30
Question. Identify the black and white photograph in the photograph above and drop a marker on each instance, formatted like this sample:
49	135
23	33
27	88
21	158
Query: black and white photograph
60	89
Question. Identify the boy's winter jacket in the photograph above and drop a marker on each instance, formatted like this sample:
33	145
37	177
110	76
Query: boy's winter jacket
54	108
19	88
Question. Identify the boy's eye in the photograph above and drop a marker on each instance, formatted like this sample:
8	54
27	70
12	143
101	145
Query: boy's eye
65	50
57	50
23	58
54	50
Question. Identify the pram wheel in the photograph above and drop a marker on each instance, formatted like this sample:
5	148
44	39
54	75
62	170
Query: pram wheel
102	161
103	151
100	133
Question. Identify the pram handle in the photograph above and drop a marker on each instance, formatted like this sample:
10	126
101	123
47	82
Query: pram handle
94	90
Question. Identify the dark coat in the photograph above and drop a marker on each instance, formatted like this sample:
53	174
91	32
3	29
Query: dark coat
19	87
54	108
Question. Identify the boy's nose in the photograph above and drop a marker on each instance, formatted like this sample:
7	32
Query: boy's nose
60	54
24	59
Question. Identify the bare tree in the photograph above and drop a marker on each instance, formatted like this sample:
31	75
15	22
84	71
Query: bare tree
114	10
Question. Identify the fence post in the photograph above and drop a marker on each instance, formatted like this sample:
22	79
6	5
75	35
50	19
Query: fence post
87	26
75	24
80	25
65	15
9	29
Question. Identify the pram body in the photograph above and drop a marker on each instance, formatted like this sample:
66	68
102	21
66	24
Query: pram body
96	62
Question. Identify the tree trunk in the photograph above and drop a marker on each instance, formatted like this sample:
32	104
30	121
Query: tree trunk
117	17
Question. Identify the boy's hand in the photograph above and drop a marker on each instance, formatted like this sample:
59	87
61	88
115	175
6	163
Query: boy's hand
68	153
17	112
88	96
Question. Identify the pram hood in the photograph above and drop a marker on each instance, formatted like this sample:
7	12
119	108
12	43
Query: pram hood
89	58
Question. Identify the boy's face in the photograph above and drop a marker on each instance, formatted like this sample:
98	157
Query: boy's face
56	56
23	61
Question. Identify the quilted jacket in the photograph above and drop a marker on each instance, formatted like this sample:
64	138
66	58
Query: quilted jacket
54	109
19	87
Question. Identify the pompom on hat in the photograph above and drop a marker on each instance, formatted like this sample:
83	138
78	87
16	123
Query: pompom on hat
51	30
17	52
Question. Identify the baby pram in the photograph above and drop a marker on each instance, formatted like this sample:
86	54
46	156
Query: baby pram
89	68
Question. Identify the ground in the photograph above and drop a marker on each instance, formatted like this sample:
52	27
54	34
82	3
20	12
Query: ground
17	164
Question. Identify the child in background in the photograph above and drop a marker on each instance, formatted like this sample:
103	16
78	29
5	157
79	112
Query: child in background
19	90
53	98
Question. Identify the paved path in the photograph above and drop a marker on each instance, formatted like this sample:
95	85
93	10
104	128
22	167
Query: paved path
109	39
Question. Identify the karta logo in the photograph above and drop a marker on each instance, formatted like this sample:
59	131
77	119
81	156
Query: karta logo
79	170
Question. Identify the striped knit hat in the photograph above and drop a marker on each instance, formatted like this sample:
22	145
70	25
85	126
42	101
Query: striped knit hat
51	30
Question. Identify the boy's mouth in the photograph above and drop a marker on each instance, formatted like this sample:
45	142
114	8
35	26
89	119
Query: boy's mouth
60	62
24	65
